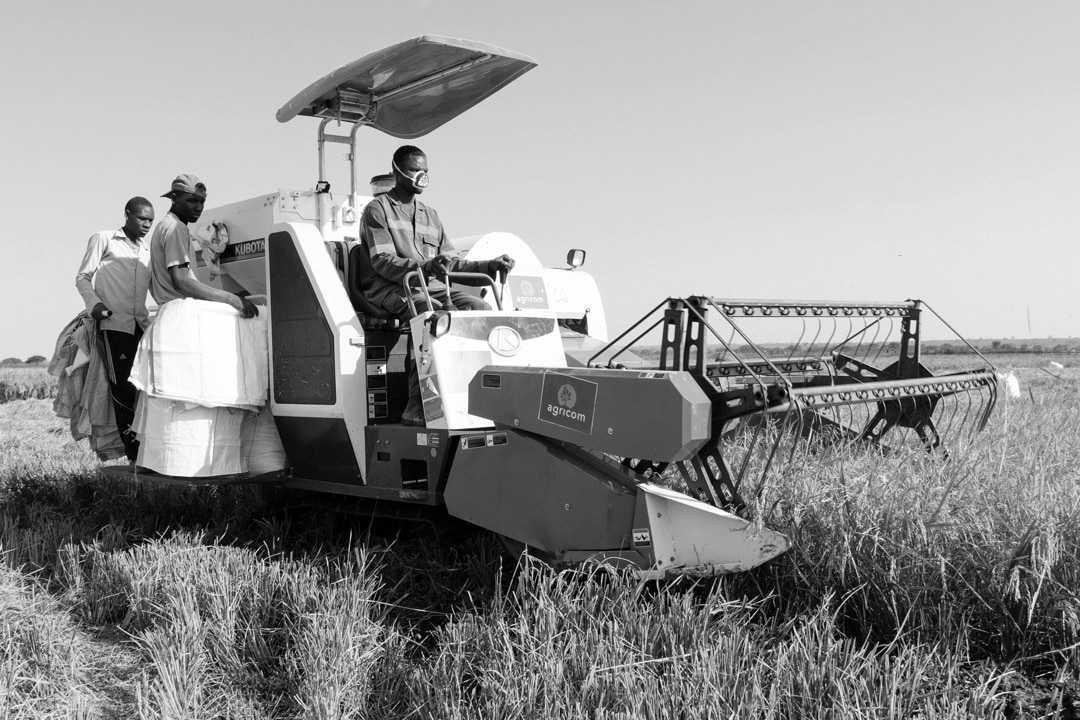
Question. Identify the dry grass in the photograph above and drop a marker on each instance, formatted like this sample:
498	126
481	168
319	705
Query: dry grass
43	663
226	633
36	448
926	589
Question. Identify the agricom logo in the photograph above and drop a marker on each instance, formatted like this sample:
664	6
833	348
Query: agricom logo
568	401
528	292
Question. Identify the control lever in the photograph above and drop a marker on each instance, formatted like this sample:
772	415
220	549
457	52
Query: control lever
447	269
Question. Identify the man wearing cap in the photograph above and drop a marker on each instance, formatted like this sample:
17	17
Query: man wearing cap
113	279
402	235
171	276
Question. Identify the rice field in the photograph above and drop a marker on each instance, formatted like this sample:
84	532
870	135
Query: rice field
924	589
19	382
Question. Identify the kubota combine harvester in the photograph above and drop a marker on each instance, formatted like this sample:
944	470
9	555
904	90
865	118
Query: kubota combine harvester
538	428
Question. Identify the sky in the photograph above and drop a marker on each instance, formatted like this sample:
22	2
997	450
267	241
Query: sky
853	150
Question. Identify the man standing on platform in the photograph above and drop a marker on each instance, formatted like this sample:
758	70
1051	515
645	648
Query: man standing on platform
171	276
113	280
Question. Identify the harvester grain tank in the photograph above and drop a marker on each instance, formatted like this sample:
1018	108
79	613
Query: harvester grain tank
537	427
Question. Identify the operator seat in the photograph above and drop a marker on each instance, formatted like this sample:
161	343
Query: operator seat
372	316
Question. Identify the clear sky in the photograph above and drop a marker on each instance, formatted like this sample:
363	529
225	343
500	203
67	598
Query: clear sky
825	150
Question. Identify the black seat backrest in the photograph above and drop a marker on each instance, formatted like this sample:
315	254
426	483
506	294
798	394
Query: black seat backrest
360	265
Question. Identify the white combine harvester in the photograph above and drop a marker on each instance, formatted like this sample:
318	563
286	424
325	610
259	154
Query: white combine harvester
538	429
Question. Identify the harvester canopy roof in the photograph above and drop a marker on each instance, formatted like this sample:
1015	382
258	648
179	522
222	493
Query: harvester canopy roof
411	88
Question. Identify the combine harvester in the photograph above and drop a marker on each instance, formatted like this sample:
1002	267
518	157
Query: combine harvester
538	428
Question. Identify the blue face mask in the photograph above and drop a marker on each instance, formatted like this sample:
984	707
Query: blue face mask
419	179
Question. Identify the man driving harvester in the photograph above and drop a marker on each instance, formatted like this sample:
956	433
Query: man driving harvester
402	235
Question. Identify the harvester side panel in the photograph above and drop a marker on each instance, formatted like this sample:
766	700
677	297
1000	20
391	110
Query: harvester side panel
411	460
449	361
318	448
542	494
243	261
576	506
317	369
250	222
387	382
656	415
303	344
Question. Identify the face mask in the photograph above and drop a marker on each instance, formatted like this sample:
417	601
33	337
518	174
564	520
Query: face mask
419	179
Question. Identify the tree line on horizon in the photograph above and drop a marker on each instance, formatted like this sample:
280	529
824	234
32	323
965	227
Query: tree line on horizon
32	360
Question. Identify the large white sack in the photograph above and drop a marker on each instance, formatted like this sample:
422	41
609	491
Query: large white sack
186	440
204	352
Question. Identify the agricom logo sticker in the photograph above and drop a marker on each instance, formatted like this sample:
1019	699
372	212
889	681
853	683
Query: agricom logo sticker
568	401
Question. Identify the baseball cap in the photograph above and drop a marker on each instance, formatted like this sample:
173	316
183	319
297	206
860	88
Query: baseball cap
186	183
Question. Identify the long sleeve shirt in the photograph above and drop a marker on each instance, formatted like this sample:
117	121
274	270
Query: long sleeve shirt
399	239
116	271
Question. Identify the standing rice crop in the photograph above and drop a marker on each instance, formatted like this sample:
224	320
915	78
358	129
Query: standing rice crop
983	545
26	382
45	664
226	632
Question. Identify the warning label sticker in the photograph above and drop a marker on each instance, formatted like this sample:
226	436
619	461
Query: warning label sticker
568	401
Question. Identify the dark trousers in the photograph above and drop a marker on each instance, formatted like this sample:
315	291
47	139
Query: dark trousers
119	355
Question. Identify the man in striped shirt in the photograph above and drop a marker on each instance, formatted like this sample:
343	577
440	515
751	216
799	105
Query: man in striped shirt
113	280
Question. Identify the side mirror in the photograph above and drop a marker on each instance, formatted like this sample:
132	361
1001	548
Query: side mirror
439	323
575	258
